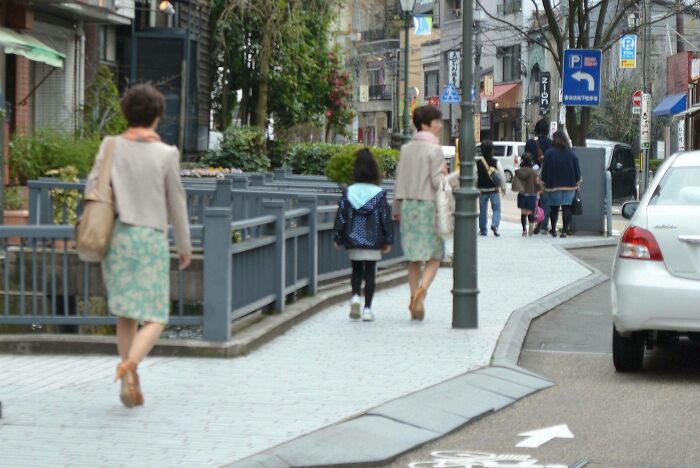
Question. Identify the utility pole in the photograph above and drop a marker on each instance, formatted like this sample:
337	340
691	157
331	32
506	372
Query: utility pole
646	87
465	292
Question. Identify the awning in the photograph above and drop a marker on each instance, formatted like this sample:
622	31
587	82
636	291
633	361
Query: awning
26	45
500	90
670	105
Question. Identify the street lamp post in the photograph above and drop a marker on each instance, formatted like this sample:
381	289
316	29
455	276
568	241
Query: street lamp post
407	7
465	313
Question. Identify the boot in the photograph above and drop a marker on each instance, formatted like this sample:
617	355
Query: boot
531	229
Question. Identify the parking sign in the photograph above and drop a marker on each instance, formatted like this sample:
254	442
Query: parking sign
581	80
628	51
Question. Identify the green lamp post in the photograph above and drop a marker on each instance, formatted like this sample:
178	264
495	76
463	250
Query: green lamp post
407	7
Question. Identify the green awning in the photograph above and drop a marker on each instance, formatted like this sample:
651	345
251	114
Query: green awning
26	45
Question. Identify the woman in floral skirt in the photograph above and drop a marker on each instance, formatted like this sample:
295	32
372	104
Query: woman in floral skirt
420	170
148	192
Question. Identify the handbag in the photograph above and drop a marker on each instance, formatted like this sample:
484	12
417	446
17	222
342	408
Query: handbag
577	206
444	210
493	174
93	230
539	213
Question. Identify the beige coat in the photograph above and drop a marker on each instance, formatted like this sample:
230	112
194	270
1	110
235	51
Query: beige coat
147	187
419	173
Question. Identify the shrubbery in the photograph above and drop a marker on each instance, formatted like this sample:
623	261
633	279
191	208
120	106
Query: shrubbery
32	156
340	167
241	148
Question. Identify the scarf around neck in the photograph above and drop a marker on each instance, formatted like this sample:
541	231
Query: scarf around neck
426	136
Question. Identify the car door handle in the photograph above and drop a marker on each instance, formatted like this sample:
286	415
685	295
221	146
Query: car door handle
695	240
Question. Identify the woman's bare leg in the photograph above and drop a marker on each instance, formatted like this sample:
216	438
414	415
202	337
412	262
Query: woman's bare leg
429	272
144	341
414	275
126	331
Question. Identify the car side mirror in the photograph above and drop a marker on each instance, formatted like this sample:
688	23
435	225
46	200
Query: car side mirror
629	208
618	166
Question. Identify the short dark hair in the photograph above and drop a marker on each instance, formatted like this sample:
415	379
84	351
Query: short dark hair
560	140
424	115
541	127
366	169
142	104
487	149
526	160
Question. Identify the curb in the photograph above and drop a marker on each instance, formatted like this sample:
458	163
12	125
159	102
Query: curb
384	433
262	329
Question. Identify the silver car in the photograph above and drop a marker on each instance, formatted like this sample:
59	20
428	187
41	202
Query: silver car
656	274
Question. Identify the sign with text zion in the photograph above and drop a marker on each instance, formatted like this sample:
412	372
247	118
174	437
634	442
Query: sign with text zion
581	80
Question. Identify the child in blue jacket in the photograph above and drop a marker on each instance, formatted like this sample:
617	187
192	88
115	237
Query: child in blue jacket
364	227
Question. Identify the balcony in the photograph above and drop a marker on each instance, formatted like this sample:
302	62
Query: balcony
381	92
509	7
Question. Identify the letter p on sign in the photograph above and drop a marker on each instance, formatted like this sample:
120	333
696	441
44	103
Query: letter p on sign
575	61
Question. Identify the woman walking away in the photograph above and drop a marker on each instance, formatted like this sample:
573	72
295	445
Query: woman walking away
147	189
363	226
561	176
490	180
420	171
526	185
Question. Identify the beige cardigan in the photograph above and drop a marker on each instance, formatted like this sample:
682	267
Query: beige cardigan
419	173
147	187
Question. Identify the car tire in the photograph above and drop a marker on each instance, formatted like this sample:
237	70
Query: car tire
509	176
628	351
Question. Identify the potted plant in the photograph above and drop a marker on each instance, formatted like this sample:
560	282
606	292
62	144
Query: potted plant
15	212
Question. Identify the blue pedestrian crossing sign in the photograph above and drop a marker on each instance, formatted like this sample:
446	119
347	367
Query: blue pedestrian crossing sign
581	80
450	95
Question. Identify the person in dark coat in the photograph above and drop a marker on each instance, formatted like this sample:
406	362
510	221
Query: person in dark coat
561	176
364	227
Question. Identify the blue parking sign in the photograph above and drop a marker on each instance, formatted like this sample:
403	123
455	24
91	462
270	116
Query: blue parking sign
581	80
628	51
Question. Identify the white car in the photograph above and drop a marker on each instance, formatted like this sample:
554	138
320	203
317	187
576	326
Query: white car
656	274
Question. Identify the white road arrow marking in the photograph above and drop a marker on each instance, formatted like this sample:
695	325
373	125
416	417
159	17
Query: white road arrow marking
541	436
578	76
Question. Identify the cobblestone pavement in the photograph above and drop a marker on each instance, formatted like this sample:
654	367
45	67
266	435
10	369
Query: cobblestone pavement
64	410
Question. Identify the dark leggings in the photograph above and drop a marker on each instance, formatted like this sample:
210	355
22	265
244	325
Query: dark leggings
366	270
554	217
524	219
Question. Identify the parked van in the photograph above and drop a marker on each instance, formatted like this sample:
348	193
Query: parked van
620	161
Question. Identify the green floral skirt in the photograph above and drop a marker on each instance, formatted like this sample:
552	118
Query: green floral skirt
136	271
419	240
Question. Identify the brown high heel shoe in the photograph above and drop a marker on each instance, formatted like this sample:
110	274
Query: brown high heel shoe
418	306
130	394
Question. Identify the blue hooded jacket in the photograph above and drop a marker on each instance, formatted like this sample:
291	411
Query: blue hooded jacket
364	218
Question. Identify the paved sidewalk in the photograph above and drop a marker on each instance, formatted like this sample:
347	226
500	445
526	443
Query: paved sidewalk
64	410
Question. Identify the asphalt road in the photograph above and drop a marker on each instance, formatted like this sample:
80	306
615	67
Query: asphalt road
646	419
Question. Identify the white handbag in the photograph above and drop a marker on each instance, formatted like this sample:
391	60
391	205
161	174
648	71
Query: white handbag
444	210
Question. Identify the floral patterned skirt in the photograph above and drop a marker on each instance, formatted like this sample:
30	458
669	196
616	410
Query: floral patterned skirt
419	240
136	271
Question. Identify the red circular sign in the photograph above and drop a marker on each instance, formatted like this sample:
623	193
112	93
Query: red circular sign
637	98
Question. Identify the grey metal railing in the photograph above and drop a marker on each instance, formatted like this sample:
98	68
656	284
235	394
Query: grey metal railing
255	248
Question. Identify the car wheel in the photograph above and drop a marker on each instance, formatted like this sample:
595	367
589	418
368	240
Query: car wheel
628	351
509	176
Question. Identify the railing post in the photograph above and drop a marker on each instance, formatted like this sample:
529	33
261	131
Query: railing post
34	206
217	274
240	181
276	207
281	173
222	195
311	203
608	203
257	180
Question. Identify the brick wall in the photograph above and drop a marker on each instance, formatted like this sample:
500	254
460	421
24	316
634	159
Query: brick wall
678	73
22	110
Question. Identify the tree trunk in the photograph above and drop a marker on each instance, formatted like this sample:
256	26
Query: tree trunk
263	80
578	131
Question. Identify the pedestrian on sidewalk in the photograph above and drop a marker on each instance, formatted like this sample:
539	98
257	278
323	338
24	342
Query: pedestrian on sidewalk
364	227
145	177
561	176
490	181
525	183
537	147
419	173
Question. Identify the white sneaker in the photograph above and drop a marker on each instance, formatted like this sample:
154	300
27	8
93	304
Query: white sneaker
367	315
355	307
